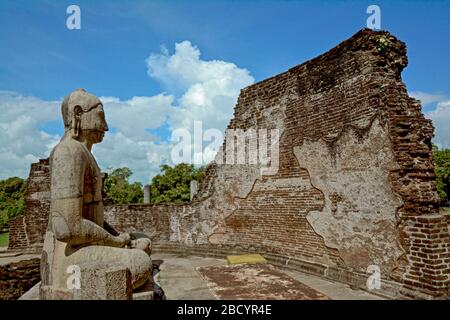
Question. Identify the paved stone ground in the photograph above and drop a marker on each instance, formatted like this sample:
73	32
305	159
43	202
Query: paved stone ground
256	282
10	257
180	280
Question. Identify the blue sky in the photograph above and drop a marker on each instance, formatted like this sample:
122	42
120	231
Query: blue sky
41	61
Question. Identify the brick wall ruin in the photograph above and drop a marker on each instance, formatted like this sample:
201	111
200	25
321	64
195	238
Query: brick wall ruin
355	185
26	232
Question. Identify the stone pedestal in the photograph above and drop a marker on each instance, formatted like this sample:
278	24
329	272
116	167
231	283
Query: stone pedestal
111	283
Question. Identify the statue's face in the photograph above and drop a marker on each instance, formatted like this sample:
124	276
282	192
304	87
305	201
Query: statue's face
93	124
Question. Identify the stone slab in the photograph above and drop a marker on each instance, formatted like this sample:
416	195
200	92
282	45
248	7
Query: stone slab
147	295
32	294
181	280
256	282
51	293
10	254
246	258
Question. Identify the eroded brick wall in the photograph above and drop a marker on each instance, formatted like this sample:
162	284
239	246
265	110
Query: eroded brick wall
18	239
17	278
27	231
355	171
153	220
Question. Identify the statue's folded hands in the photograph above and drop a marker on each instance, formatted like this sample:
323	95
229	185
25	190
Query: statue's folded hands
143	244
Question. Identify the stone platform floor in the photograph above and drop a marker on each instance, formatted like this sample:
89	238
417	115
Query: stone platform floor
11	257
181	280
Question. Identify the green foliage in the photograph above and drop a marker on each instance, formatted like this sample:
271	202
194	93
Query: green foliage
3	219
383	43
4	237
119	191
11	199
441	159
173	184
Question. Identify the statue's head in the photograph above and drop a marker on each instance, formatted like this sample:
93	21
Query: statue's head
83	115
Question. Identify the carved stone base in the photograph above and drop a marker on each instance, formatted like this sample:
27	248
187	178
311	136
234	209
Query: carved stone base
97	283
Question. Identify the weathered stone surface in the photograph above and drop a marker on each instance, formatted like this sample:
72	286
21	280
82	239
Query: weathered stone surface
255	282
358	218
97	282
53	293
100	282
78	243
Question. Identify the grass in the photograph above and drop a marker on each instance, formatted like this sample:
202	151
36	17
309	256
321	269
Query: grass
4	239
445	209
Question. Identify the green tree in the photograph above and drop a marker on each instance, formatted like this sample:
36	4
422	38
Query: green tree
118	190
173	184
441	159
12	192
3	219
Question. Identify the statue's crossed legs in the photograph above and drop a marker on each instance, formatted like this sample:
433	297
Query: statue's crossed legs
136	261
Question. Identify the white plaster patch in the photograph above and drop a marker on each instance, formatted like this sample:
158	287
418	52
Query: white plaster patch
358	218
272	184
175	234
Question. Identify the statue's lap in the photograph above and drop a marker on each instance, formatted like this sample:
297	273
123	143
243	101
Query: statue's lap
137	261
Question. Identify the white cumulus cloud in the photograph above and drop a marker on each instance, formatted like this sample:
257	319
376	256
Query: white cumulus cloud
198	90
133	117
210	88
22	141
441	121
427	98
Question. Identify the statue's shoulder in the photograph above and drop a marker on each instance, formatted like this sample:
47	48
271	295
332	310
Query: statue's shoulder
68	150
67	165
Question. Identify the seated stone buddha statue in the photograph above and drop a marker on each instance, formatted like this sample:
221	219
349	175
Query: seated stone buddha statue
77	233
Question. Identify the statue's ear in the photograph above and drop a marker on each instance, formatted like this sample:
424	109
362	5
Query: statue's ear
77	110
76	121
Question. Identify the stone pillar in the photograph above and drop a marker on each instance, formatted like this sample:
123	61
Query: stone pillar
147	193
194	188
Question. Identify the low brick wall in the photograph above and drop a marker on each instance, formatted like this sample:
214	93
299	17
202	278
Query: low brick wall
154	220
17	278
18	239
27	232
